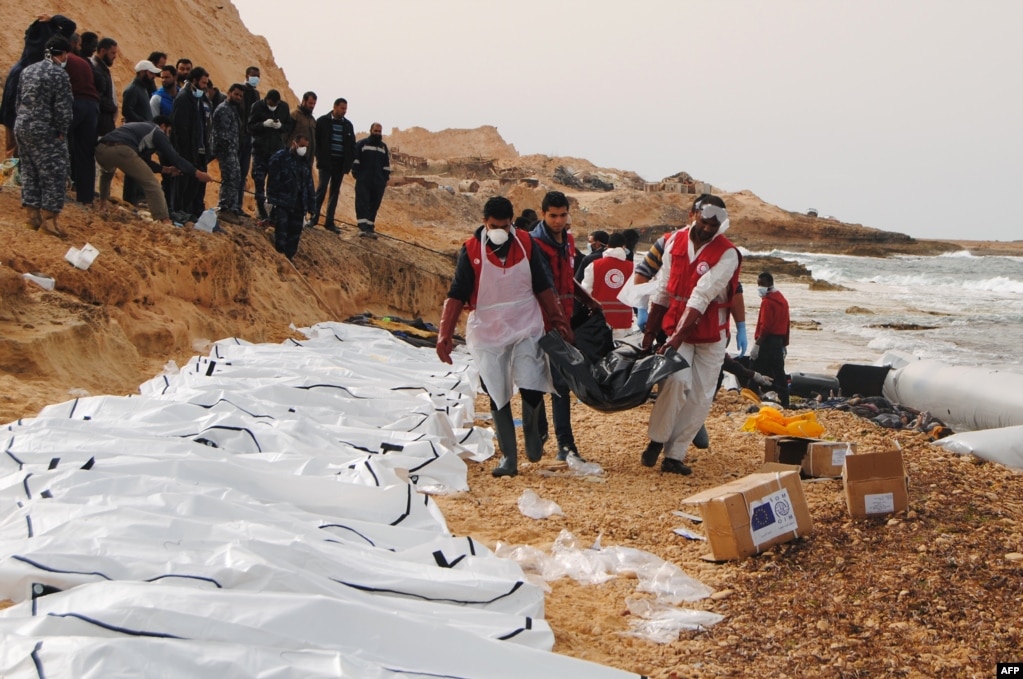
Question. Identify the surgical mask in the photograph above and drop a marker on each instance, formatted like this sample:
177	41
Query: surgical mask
762	291
63	64
498	236
301	150
272	108
197	93
253	80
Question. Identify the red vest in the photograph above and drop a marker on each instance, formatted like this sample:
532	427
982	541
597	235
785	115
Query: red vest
774	317
682	279
609	277
563	269
473	247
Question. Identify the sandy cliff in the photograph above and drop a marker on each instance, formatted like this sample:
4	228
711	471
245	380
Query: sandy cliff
209	32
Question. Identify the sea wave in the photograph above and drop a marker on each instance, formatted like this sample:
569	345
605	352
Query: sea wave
996	284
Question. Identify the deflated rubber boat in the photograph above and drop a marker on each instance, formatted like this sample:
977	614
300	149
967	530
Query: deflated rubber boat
986	402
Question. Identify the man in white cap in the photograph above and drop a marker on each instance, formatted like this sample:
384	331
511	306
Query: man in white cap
135	101
692	302
136	109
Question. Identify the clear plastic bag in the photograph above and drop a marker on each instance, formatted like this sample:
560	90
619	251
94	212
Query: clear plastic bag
535	507
661	624
595	565
580	467
670	584
207	221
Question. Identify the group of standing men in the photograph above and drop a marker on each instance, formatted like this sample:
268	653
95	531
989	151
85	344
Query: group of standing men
519	285
60	109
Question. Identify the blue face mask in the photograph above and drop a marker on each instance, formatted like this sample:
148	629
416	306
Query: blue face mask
762	291
253	80
197	93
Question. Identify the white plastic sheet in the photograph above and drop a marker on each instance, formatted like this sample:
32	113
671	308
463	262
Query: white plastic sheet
259	512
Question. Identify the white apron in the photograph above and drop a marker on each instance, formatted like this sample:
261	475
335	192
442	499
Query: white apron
502	332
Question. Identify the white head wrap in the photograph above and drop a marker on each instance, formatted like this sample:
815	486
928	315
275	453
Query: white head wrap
721	214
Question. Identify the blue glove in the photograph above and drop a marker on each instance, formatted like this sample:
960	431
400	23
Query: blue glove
741	343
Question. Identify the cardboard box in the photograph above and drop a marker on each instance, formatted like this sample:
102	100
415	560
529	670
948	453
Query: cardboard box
748	515
826	459
818	459
875	484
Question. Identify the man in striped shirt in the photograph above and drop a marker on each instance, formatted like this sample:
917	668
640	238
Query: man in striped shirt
335	153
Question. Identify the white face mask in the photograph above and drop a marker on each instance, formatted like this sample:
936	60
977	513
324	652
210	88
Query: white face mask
253	80
498	236
301	150
762	291
272	108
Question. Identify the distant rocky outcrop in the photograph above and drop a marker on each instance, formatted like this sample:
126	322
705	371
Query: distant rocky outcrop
482	142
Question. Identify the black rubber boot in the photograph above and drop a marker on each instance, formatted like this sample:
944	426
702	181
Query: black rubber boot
531	430
673	466
702	439
504	423
652	452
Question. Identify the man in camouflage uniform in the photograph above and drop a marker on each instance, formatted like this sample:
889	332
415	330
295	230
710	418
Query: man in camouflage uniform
227	131
45	109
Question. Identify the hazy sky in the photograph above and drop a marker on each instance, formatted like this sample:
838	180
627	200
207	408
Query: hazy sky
903	115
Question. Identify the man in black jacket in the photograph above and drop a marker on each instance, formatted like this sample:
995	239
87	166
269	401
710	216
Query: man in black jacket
104	58
36	35
192	139
335	153
269	124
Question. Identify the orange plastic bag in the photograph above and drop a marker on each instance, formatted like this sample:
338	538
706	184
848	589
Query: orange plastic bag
771	422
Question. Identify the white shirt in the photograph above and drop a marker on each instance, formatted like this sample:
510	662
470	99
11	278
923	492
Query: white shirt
587	282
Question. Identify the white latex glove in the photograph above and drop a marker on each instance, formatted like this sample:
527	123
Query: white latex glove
754	352
269	122
277	124
762	379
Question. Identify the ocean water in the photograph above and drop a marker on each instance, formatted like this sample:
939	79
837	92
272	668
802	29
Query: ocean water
956	308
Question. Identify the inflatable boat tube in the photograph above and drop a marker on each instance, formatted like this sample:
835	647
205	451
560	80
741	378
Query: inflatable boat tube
1003	445
962	397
